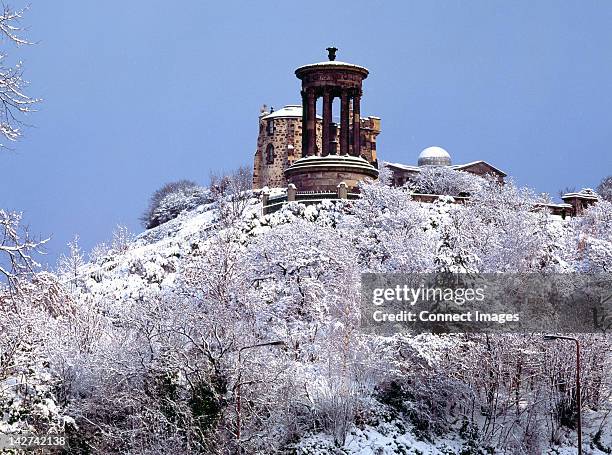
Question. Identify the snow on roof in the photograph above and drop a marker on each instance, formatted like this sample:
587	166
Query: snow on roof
290	110
554	205
406	167
584	193
322	161
458	167
333	63
472	163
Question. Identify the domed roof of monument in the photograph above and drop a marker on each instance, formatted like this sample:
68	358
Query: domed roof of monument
434	156
290	110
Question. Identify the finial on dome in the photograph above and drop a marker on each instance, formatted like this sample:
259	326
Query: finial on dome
331	53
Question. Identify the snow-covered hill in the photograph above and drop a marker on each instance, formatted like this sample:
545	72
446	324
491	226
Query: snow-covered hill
219	331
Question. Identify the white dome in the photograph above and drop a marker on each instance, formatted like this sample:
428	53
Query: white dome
434	156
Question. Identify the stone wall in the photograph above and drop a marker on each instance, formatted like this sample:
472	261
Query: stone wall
328	180
325	173
370	128
287	142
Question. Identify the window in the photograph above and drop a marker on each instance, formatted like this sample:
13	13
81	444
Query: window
269	154
270	127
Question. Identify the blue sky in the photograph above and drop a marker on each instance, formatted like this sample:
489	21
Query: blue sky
140	93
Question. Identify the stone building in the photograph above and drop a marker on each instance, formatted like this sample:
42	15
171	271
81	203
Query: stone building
437	156
579	201
279	144
282	139
310	157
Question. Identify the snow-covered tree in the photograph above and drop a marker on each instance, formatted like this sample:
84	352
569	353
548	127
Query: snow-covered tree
122	239
500	230
604	189
232	191
69	265
445	181
594	237
209	336
171	199
17	250
392	233
13	97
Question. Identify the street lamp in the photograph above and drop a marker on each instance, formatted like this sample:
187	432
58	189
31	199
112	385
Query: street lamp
578	398
239	384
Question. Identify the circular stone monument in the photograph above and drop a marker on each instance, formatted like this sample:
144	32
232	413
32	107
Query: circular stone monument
323	170
324	173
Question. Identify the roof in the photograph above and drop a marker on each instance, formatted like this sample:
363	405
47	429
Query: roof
289	111
585	193
332	64
553	205
405	167
434	152
458	167
473	163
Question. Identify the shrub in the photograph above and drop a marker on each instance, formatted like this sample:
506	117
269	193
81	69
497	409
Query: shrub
604	189
232	190
172	199
446	181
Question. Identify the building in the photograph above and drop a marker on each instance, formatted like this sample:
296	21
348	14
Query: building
279	144
579	201
349	148
310	157
437	156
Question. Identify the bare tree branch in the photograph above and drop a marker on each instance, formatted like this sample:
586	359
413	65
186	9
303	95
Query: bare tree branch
16	250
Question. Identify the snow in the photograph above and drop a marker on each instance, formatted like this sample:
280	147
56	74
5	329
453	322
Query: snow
585	193
293	275
289	111
388	439
406	167
434	152
334	63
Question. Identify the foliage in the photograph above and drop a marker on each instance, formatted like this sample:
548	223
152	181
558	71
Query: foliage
445	181
171	199
232	192
604	189
13	98
164	345
17	250
69	266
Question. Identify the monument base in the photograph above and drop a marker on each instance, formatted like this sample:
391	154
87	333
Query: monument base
324	173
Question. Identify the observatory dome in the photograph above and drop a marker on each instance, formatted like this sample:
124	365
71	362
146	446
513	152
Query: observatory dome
434	156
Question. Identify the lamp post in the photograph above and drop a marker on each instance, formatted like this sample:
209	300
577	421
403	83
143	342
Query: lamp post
239	384
578	398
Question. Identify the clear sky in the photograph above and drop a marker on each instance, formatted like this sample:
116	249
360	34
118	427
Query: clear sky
138	93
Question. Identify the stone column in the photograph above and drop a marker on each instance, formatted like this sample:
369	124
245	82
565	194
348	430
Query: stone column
356	125
311	122
304	123
344	123
327	121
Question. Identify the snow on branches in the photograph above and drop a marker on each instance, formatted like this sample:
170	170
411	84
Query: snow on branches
14	101
17	250
209	336
444	180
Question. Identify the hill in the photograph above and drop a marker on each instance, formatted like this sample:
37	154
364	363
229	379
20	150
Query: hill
223	331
